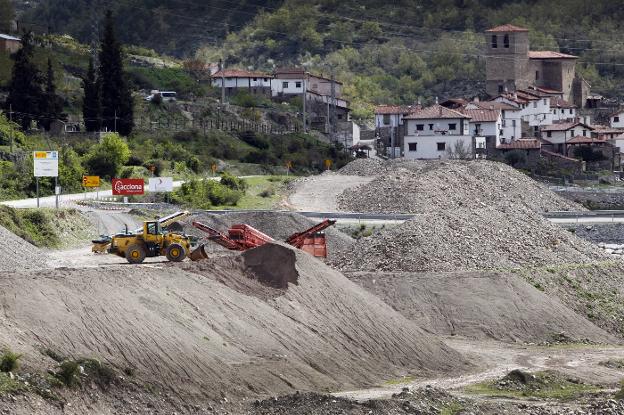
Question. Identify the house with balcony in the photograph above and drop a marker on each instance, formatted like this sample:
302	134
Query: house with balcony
235	80
436	132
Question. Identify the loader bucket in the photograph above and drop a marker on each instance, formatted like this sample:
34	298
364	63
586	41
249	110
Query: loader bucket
198	253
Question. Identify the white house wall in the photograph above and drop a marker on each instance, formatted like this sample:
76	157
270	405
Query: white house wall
243	82
617	121
427	146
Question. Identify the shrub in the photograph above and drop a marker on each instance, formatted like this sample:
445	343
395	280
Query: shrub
9	362
233	182
204	194
515	157
268	192
253	139
620	394
69	373
106	158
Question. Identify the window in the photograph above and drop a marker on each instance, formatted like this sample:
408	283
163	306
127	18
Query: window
548	134
513	123
420	127
477	129
506	41
545	101
255	79
431	126
563	111
386	119
584	133
266	79
535	104
452	126
298	84
615	119
284	84
494	42
536	75
441	146
500	89
411	147
570	110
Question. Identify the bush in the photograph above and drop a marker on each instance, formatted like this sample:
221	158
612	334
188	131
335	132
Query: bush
69	373
251	138
107	158
620	394
515	157
586	153
233	182
268	192
9	362
204	194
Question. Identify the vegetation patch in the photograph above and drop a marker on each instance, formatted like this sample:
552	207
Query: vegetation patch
9	384
543	385
9	361
613	363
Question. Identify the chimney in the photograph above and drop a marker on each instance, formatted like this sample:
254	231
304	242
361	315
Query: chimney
440	109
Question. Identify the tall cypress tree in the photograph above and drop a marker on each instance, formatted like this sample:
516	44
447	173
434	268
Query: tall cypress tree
26	96
91	110
116	99
52	103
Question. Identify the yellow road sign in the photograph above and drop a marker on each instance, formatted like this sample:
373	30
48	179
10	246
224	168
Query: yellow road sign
328	163
213	166
289	164
91	181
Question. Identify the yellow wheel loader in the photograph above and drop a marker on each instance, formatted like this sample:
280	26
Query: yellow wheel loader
151	241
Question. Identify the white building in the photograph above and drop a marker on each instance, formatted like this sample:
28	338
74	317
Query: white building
390	115
236	80
562	110
559	134
486	123
435	132
292	81
511	119
534	109
616	120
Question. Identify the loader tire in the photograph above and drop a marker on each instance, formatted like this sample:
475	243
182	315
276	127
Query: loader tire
135	254
176	253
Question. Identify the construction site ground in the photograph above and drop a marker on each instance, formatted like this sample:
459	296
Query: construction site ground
275	331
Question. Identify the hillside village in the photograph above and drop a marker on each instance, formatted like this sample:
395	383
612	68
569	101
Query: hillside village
311	207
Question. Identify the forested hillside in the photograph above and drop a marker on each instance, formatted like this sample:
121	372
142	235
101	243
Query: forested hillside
396	52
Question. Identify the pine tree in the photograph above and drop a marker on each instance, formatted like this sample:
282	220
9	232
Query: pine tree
7	14
52	103
91	110
115	96
26	96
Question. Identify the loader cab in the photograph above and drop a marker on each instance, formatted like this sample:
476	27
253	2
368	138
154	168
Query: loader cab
152	231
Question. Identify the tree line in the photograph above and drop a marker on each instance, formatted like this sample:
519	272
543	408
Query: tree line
107	103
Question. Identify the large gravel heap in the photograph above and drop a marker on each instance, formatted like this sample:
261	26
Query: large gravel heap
425	186
17	254
468	239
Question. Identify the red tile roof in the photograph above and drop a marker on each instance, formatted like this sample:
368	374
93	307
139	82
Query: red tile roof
579	139
605	129
507	28
392	109
547	54
239	73
521	144
482	115
434	112
495	105
546	90
560	103
564	126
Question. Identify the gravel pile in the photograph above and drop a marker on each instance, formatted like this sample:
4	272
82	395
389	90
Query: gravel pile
365	167
423	186
468	239
278	225
17	254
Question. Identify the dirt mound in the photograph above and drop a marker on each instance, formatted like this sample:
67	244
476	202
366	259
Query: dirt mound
468	239
191	334
480	305
278	225
419	187
17	254
364	167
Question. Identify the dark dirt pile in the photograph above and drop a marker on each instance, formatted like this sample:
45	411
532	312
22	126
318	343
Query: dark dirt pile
462	303
17	254
184	330
278	225
426	186
468	239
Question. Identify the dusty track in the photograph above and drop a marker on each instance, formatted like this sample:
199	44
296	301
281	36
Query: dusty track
496	359
320	193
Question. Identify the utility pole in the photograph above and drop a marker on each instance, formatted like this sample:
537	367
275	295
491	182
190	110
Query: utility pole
333	128
221	69
11	128
94	32
305	93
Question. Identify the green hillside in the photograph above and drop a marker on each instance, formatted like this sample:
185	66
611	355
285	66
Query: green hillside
396	52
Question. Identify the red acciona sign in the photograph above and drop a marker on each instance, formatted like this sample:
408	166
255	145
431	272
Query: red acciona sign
128	187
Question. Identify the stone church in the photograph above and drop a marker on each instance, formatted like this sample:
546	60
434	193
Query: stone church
511	66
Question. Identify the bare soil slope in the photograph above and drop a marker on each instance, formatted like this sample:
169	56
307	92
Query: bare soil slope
186	331
462	303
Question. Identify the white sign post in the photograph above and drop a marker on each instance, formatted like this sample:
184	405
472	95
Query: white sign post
46	165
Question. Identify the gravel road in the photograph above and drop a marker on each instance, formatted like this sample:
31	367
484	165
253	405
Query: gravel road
320	193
